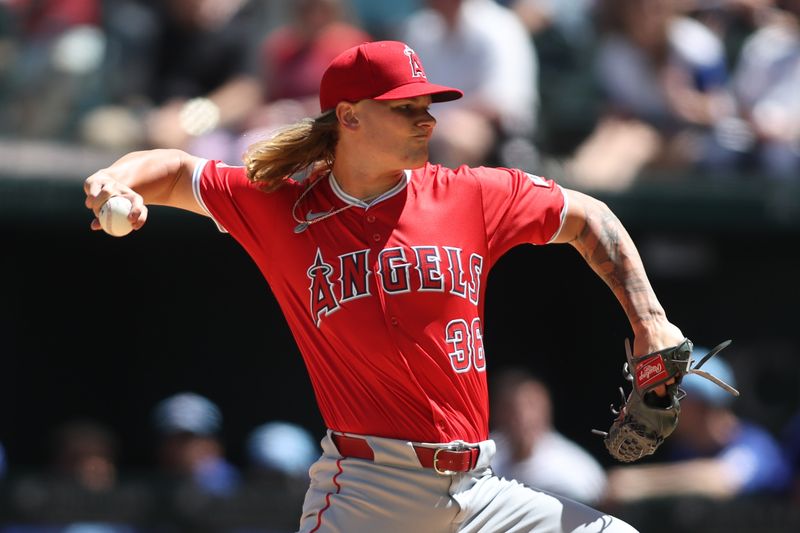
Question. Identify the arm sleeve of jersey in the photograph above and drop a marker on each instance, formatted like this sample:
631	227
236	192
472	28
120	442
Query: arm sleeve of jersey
221	190
519	208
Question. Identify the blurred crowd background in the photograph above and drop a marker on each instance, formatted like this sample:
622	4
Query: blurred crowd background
682	114
599	90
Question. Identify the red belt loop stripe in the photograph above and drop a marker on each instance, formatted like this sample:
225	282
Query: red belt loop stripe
443	459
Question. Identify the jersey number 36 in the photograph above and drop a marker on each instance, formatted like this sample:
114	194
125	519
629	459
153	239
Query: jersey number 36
466	342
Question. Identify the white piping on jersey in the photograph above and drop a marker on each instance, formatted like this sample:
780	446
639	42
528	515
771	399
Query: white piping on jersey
564	209
336	188
196	175
198	172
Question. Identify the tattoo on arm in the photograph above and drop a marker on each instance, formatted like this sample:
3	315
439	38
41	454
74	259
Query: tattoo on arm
610	252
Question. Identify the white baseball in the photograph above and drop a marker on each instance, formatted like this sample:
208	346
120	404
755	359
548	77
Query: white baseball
114	216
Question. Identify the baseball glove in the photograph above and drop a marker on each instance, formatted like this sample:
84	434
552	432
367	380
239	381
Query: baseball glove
645	419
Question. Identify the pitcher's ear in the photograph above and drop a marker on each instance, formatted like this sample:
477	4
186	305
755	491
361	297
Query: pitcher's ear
347	115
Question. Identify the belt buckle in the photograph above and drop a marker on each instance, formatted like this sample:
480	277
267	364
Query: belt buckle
454	447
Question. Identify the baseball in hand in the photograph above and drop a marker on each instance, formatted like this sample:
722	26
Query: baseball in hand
114	216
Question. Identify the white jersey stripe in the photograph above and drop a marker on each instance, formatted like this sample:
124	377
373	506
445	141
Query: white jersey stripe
196	176
564	209
360	203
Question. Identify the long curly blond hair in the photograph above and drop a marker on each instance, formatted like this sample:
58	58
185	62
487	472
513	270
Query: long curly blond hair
300	148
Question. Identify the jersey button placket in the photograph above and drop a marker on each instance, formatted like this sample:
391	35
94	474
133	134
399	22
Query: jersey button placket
370	226
369	218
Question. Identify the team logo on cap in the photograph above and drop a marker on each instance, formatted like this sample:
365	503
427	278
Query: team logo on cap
416	65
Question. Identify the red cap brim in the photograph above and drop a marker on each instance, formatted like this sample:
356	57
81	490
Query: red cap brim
438	93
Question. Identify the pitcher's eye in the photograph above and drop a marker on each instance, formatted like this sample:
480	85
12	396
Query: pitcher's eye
410	108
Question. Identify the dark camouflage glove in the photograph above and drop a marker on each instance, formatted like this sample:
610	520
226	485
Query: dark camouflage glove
645	419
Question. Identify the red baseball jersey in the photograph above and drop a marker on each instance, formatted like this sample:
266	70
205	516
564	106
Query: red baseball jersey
385	300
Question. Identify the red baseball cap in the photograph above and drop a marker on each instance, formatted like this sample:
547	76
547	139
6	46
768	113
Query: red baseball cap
380	70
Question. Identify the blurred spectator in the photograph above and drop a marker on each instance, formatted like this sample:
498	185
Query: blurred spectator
293	58
482	48
791	445
86	453
382	19
664	79
81	490
50	61
530	449
278	456
732	20
564	37
189	448
282	449
198	62
571	17
712	453
296	54
766	85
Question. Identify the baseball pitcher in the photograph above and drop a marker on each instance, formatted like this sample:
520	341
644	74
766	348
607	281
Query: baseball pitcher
379	261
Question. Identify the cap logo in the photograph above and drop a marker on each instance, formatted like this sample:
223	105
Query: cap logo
416	65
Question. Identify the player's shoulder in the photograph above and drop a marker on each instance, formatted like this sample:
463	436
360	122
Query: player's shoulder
235	176
478	175
215	167
441	172
433	176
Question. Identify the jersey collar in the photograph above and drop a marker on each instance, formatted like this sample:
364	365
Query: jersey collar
402	184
